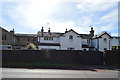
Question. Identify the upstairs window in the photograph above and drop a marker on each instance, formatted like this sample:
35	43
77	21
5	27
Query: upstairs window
88	41
105	40
48	38
18	39
71	37
4	37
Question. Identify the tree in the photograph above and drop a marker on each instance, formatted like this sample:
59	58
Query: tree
31	46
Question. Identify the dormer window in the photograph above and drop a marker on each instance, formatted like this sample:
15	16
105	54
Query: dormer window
71	37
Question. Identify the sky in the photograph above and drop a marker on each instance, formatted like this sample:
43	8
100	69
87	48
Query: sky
28	16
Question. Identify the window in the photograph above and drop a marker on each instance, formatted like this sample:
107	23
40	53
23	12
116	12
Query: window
71	48
18	39
9	47
34	39
105	40
105	49
84	50
44	38
48	38
28	39
88	41
4	37
70	37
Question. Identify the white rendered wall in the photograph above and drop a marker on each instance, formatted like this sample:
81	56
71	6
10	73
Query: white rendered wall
66	43
106	44
5	47
94	43
84	41
55	40
49	47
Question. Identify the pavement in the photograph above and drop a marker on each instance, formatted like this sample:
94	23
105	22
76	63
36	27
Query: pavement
55	73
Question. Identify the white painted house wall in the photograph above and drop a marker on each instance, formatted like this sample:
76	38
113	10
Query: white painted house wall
55	40
103	44
5	47
84	41
49	47
76	42
66	43
94	43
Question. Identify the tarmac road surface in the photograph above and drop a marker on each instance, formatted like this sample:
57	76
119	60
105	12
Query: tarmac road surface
55	73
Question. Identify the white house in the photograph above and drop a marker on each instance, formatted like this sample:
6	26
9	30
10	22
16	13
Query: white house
70	40
102	41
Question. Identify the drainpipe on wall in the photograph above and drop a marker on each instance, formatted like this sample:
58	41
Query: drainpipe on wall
98	44
109	44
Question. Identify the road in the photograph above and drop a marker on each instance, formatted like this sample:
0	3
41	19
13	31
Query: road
54	73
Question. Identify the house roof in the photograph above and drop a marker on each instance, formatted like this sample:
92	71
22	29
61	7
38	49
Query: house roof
100	35
69	31
116	37
52	34
26	35
56	34
4	29
86	36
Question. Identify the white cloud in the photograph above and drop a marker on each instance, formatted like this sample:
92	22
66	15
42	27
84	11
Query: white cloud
91	0
36	13
106	28
61	27
109	28
111	17
86	20
114	34
33	14
108	22
95	5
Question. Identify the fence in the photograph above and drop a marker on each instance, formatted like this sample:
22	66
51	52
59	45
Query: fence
112	57
37	57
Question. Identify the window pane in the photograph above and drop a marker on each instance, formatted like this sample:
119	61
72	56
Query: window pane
70	37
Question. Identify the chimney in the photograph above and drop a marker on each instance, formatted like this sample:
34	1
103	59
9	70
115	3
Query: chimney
12	31
42	30
92	31
49	31
66	30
